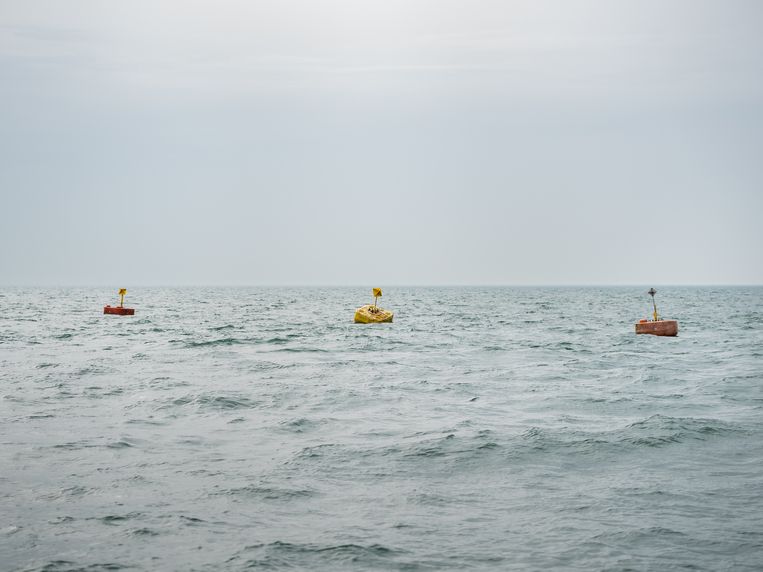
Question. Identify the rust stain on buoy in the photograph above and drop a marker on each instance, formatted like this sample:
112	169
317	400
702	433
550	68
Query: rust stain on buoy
658	328
119	310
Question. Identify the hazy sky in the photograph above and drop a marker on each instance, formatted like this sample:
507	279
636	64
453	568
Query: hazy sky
380	143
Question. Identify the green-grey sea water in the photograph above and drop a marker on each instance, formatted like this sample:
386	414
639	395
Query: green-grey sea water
485	429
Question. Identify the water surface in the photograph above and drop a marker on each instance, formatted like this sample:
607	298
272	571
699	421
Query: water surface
486	428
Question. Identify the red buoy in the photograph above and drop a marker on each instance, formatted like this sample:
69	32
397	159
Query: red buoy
658	326
119	310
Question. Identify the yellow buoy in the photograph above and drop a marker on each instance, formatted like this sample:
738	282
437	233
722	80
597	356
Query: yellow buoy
371	313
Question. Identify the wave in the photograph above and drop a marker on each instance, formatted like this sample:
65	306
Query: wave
304	350
121	444
192	520
213	402
116	519
284	339
659	430
472	451
143	531
287	554
458	452
67	492
654	431
69	566
73	445
267	493
93	370
213	343
225	327
300	425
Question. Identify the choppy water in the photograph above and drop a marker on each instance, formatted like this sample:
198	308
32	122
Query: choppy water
487	428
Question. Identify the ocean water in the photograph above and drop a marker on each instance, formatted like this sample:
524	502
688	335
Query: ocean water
485	429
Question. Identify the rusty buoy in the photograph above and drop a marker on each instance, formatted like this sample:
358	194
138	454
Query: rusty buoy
657	326
119	310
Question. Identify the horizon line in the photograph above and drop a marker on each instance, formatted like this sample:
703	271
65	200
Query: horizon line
424	285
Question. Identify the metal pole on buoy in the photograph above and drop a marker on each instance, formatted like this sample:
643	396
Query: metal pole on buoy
652	292
122	292
377	293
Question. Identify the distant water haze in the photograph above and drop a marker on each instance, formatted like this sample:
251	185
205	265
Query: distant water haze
338	142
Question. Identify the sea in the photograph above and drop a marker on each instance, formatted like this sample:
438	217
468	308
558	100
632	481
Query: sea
486	428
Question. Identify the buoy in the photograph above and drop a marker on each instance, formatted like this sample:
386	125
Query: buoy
119	310
657	326
371	313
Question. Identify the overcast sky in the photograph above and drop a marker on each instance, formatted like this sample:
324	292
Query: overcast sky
390	142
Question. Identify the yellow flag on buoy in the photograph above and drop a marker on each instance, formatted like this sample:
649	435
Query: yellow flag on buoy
123	291
377	292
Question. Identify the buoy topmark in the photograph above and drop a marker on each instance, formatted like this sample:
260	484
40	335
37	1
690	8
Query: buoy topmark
119	310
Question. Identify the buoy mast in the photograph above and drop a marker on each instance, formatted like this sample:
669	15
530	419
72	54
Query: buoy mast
652	292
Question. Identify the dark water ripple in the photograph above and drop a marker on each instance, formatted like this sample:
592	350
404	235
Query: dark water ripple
487	429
